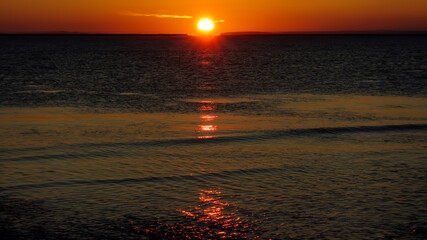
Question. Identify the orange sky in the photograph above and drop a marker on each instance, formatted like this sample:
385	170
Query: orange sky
180	16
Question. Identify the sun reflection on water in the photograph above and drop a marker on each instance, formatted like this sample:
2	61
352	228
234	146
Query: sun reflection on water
212	218
206	62
207	128
208	118
207	109
219	219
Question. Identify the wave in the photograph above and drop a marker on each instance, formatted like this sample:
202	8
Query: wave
115	147
196	177
98	154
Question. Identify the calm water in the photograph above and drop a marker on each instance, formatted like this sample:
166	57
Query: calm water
273	137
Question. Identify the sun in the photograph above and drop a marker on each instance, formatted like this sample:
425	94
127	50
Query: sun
205	24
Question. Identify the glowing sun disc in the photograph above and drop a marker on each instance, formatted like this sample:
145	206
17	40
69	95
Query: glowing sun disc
205	24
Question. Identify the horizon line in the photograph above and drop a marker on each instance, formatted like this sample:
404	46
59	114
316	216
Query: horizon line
238	33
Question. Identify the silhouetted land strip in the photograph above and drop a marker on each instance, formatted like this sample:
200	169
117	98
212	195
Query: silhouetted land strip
90	34
245	33
379	32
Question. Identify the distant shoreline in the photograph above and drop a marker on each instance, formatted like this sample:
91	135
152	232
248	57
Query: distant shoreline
375	32
91	34
307	33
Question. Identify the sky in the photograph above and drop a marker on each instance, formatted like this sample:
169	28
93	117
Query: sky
181	16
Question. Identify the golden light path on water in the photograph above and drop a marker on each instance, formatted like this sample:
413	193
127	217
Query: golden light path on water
207	107
212	218
207	128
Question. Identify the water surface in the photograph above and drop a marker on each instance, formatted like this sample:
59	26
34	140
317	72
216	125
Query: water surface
272	137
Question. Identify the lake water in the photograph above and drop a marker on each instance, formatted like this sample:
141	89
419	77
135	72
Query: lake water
231	137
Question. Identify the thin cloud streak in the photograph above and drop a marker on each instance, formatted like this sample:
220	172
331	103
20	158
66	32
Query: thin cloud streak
158	15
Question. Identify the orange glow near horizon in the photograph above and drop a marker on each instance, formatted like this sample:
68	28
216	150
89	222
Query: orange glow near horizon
167	16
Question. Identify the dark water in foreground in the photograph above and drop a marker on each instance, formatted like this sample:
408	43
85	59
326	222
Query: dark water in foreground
273	137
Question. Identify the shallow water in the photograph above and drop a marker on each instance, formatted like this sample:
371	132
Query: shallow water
233	137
